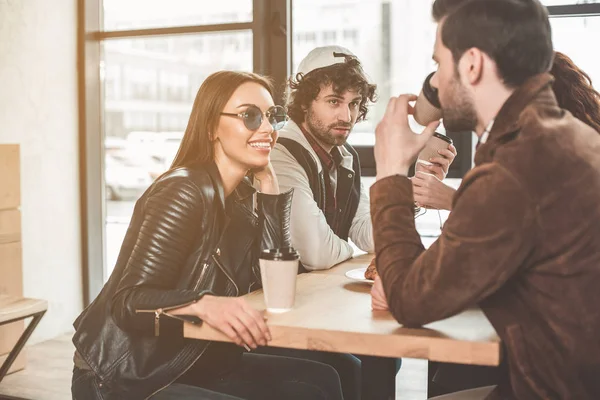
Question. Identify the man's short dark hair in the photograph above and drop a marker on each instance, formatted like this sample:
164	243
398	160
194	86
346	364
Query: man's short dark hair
516	34
343	76
441	8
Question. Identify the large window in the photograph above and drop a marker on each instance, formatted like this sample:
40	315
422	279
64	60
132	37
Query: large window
575	36
148	59
149	87
144	60
393	39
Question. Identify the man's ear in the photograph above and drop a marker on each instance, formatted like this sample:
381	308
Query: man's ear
471	65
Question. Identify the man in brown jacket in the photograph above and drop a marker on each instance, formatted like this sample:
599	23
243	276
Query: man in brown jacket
523	239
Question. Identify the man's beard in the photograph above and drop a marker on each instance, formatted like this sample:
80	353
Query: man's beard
325	133
458	112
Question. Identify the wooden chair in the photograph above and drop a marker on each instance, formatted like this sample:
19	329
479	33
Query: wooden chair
14	309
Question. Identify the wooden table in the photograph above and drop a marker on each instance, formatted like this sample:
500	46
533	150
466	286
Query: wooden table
333	313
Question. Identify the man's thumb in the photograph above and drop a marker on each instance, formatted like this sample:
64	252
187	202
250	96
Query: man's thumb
428	132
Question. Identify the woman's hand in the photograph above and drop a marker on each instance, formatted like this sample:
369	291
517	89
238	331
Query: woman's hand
430	192
439	165
267	179
235	318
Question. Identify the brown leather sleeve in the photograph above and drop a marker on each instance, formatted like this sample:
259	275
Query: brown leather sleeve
483	243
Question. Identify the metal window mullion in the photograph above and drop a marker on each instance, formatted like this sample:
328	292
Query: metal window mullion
574	10
175	30
260	44
272	42
91	151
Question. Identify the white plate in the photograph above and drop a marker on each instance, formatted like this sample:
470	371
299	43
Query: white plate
358	274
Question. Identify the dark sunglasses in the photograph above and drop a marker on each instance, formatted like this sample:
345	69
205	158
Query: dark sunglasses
253	117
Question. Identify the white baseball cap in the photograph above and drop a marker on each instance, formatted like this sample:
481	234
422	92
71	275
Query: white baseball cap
322	57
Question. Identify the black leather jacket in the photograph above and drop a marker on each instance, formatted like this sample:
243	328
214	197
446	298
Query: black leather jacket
184	241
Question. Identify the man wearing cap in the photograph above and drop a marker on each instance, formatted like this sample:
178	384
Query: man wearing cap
329	94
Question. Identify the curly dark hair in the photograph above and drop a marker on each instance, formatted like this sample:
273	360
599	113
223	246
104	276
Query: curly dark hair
343	76
574	91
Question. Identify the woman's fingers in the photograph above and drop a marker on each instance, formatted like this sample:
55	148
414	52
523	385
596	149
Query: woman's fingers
417	181
242	331
436	169
259	320
230	333
447	154
254	329
441	161
452	149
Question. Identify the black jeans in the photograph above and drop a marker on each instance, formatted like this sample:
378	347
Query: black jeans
362	377
256	377
445	378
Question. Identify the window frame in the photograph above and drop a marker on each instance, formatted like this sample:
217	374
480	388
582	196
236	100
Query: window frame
574	10
271	31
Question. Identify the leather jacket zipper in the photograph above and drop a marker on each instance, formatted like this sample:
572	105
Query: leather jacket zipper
237	290
158	313
200	355
202	273
161	311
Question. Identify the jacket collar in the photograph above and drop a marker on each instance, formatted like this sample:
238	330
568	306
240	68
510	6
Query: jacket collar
508	119
243	190
294	132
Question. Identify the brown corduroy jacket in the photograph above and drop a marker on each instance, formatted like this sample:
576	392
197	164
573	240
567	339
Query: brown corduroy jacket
522	242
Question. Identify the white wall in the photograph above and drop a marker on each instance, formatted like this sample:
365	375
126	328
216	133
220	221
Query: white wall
38	110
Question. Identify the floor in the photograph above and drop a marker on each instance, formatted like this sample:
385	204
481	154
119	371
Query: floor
47	375
49	366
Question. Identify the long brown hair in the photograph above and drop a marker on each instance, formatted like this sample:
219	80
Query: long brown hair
574	91
213	95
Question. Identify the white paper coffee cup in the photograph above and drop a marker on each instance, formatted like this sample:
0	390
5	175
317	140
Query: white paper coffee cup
278	270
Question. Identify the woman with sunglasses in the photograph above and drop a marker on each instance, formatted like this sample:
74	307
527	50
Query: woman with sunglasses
190	251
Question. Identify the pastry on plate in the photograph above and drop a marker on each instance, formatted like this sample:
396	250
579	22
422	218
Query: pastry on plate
371	272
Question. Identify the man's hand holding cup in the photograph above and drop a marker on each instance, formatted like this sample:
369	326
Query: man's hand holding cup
396	145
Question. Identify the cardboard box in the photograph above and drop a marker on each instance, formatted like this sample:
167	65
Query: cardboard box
11	269
11	282
10	176
10	226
